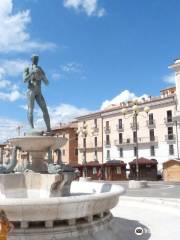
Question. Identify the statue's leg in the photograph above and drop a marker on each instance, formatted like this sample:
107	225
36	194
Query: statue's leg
42	104
30	97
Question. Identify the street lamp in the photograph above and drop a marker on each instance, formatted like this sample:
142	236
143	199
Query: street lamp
83	131
136	110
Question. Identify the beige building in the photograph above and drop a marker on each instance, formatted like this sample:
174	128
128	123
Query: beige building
148	128
111	134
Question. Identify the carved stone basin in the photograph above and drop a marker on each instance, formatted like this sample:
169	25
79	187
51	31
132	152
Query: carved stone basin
37	143
37	147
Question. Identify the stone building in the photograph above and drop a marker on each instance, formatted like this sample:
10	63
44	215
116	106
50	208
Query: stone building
111	134
69	152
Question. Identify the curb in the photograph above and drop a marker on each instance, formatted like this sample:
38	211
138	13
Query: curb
169	202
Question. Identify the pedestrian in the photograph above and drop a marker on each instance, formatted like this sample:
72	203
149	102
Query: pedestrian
5	225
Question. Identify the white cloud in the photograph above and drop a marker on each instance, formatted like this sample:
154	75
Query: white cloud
72	67
12	67
170	79
11	96
56	76
4	83
8	128
63	113
90	7
13	30
9	90
124	96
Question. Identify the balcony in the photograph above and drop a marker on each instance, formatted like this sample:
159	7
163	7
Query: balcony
120	128
141	141
107	130
170	138
133	126
151	124
168	121
107	144
123	143
89	147
147	140
95	130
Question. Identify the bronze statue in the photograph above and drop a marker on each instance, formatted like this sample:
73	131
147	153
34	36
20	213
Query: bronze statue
34	75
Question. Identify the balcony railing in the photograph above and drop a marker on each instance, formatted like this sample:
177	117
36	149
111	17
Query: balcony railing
168	121
141	141
170	138
151	124
107	144
120	128
107	130
95	130
133	125
89	146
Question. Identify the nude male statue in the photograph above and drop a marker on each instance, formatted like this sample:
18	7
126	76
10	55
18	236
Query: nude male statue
34	75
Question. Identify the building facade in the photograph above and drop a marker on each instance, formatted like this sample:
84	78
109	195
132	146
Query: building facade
112	135
69	152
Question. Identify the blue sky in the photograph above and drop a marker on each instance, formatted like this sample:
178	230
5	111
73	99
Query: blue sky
91	50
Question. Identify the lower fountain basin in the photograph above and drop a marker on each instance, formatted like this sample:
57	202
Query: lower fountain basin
29	198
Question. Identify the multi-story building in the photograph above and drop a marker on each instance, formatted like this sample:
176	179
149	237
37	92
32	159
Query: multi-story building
113	135
68	152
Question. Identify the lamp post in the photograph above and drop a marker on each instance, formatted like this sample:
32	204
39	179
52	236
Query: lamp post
136	110
83	132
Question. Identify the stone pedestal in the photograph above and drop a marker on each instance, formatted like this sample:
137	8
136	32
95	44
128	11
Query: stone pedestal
138	184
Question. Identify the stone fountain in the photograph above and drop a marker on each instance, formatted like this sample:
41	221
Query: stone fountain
44	202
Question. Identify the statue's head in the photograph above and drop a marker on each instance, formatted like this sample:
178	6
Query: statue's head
35	59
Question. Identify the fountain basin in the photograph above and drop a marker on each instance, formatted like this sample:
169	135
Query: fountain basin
37	147
34	201
37	143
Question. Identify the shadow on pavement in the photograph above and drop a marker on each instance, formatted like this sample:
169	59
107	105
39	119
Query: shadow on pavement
124	229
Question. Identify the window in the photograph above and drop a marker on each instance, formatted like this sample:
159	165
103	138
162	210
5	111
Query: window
120	123
171	149
84	142
107	124
170	133
134	121
95	123
76	152
121	152
107	140
64	152
152	151
95	155
95	141
120	138
169	116
151	119
76	137
134	137
108	154
151	134
135	151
